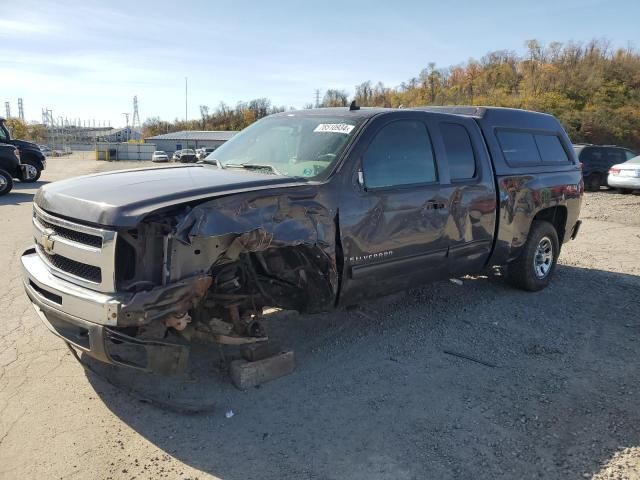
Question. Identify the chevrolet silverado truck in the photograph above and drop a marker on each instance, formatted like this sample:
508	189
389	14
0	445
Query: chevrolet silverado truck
32	158
305	210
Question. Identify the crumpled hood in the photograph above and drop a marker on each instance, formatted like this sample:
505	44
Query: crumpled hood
122	198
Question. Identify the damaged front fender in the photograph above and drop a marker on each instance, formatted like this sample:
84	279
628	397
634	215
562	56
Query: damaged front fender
282	246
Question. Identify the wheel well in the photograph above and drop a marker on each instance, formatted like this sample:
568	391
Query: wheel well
556	216
30	157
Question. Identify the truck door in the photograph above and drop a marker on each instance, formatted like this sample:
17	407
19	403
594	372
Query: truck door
468	179
393	219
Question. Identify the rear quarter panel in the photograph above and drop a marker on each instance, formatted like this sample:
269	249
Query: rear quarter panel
523	196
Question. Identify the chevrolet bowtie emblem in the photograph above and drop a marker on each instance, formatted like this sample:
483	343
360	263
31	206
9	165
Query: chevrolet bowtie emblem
48	240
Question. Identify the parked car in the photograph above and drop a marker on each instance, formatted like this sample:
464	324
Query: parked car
308	210
159	156
10	167
625	176
597	160
30	154
203	153
46	151
187	155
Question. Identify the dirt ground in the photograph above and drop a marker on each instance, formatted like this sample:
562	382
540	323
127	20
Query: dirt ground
374	395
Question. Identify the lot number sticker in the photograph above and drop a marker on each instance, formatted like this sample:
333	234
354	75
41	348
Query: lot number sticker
334	128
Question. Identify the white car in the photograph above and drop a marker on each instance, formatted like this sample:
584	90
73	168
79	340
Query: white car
159	156
625	176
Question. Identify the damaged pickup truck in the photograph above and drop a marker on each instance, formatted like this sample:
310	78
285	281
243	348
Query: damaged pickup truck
307	211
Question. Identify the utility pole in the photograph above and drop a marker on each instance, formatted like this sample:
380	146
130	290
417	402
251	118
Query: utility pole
186	93
7	108
20	110
126	116
317	92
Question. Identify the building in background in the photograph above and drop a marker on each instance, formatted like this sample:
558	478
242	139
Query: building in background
170	142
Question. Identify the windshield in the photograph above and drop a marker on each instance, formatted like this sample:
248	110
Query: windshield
188	151
159	152
294	145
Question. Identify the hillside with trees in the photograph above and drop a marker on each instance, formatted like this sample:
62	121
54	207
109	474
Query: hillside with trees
593	89
223	117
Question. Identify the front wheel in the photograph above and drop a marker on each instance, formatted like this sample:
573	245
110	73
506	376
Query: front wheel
533	269
6	182
32	171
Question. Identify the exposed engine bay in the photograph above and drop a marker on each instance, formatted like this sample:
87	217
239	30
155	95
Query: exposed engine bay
195	280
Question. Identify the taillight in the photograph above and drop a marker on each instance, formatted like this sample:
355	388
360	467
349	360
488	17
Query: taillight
580	165
614	171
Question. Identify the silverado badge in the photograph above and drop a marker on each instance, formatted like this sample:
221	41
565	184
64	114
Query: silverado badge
47	239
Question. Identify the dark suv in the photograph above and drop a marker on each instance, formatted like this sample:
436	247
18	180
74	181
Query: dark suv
596	161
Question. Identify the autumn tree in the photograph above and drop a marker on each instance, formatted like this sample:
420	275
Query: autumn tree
335	98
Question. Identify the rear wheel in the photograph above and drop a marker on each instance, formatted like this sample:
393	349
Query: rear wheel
6	182
32	171
592	182
533	269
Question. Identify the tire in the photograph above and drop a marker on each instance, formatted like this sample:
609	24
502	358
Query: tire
6	182
533	269
624	191
592	182
34	176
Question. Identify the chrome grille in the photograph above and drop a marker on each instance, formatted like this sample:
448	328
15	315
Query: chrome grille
77	253
82	270
73	235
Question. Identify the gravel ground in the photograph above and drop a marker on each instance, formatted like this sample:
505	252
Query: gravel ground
374	395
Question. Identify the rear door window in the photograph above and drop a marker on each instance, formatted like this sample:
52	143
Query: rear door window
592	156
629	154
519	148
400	154
550	148
614	156
457	145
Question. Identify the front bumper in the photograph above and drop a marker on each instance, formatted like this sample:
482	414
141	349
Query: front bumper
85	320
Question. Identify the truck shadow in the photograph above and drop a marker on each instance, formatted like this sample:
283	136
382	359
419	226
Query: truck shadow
21	193
376	396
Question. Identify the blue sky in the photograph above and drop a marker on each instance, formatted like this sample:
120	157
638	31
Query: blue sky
88	59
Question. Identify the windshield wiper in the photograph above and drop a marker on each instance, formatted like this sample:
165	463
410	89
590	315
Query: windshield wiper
252	166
